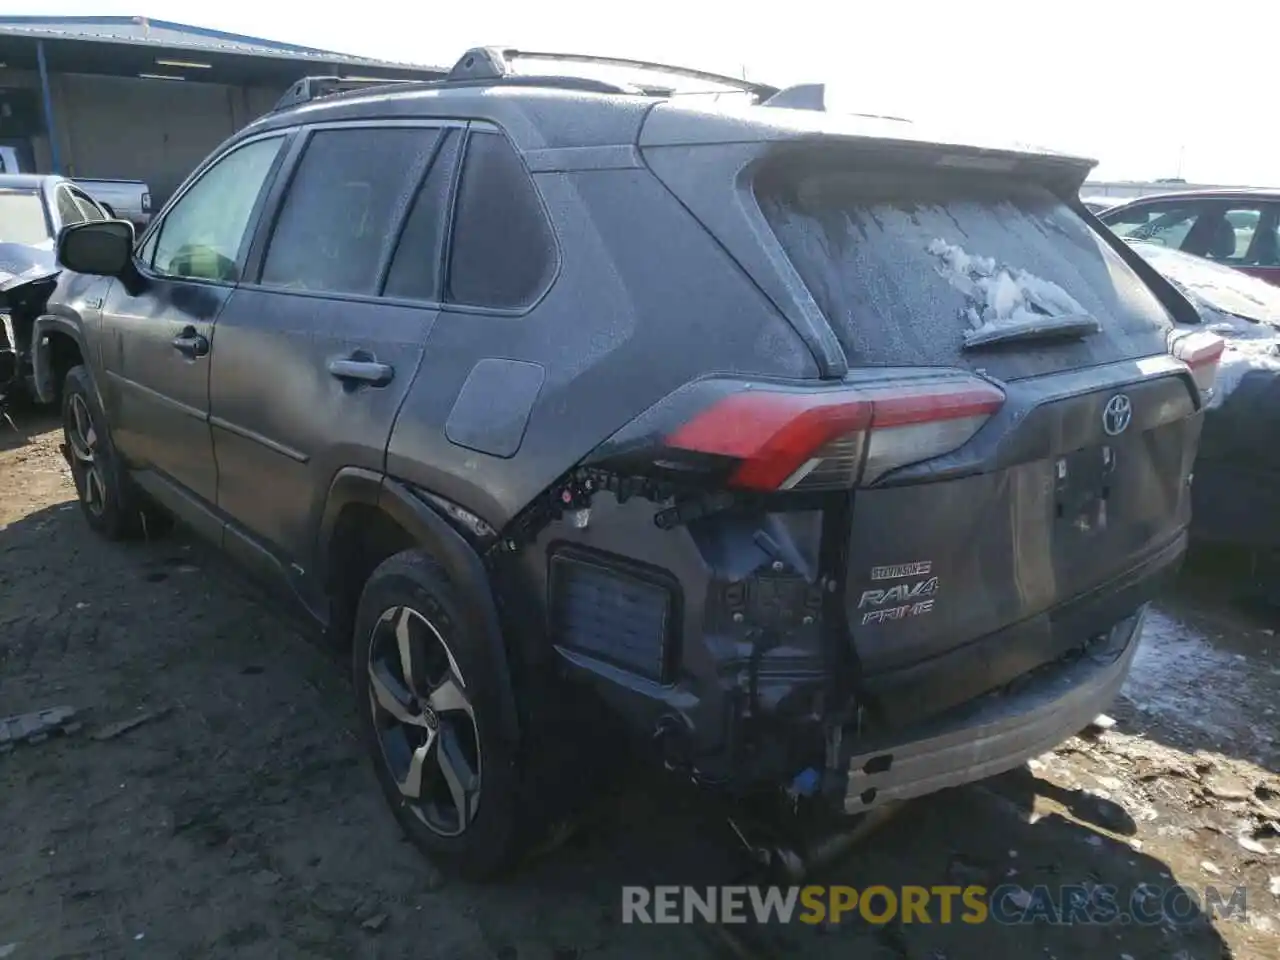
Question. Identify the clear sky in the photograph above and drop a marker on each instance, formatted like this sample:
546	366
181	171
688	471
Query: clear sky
1150	89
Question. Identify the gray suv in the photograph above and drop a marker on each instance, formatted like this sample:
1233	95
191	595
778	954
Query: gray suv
834	462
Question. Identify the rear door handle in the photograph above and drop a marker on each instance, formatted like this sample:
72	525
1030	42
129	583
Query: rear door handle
191	344
357	369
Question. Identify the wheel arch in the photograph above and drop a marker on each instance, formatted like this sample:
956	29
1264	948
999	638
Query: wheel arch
368	517
49	363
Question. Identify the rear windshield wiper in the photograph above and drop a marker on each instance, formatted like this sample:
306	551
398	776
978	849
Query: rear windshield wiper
1070	327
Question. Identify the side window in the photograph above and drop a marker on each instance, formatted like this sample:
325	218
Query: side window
68	212
415	268
347	196
1167	225
503	249
203	232
1243	223
148	250
89	210
1266	246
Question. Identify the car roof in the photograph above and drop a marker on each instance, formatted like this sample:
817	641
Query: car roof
565	114
1225	193
28	181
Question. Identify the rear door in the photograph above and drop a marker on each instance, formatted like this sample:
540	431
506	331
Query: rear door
311	361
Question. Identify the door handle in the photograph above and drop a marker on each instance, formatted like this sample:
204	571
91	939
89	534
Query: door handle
357	369
191	344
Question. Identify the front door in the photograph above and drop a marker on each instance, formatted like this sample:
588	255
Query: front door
157	338
313	360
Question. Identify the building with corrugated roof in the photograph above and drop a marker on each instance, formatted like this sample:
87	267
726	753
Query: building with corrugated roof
134	98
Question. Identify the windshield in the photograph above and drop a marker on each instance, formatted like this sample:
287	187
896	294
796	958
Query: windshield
22	218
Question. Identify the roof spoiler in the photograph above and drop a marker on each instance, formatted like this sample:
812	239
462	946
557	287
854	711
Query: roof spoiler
813	96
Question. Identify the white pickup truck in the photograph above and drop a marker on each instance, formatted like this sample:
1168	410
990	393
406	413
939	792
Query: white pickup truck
126	199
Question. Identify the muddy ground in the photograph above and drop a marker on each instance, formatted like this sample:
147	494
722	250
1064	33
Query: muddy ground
243	821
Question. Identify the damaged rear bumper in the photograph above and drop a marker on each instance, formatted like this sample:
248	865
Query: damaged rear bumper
998	732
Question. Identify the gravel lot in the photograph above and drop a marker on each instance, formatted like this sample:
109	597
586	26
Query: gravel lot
241	818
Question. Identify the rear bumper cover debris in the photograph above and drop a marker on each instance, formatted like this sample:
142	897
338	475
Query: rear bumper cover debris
998	732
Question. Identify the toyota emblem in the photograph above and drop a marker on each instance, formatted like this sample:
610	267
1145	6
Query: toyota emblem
1116	415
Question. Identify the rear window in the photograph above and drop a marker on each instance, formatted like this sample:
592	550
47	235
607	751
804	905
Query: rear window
903	267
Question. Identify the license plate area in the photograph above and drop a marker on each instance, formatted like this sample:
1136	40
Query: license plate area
1084	483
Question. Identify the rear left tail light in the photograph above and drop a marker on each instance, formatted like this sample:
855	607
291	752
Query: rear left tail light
836	439
1202	352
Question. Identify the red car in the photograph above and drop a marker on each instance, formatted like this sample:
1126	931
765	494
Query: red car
1238	228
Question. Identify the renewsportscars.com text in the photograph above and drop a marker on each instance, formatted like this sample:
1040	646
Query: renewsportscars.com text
1008	904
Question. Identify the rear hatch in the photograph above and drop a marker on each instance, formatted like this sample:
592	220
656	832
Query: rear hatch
1022	475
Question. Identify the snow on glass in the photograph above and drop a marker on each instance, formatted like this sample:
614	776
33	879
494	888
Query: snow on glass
1000	296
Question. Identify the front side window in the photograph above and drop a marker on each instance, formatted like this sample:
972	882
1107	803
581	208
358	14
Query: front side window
349	192
202	234
1164	223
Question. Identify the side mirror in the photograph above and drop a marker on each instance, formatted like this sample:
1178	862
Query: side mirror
100	247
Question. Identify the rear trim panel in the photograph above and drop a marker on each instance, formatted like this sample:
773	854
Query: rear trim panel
997	733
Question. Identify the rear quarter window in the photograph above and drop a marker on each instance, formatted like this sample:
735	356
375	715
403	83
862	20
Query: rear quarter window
503	253
902	266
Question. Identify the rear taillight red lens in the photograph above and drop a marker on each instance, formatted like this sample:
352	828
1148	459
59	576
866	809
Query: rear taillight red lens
1202	352
829	439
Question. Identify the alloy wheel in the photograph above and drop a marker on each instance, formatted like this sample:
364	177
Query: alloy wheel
424	720
82	437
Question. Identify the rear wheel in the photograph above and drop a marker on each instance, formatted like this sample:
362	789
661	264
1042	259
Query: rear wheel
427	703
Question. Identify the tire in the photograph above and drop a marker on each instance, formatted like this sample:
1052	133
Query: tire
106	495
460	804
111	503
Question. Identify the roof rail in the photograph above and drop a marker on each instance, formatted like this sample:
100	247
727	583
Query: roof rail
481	66
313	88
491	64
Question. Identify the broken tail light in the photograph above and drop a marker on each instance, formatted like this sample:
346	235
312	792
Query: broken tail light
1202	352
835	439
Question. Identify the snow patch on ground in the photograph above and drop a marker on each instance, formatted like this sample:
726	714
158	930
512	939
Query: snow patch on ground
1179	675
1000	296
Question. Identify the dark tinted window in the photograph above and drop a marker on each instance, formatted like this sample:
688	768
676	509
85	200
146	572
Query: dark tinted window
503	249
346	198
415	268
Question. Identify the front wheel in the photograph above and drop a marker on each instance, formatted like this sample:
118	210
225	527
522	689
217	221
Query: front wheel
426	697
109	501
